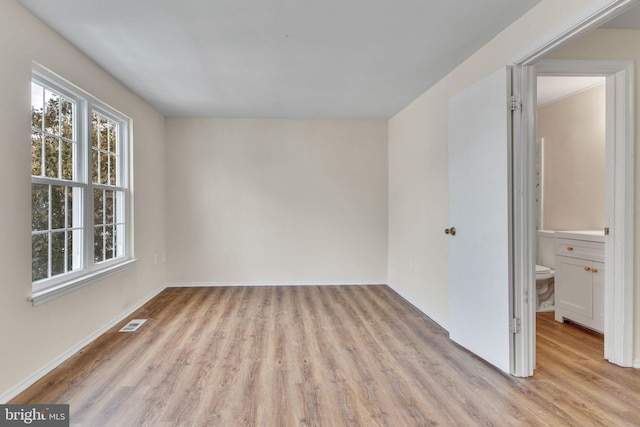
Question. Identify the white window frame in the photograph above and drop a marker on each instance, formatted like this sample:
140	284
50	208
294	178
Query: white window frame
89	271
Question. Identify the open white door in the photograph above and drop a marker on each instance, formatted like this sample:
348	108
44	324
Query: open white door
480	210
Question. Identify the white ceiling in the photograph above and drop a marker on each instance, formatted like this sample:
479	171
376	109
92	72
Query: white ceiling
554	88
278	58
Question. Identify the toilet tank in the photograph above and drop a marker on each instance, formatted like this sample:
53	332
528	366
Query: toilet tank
545	255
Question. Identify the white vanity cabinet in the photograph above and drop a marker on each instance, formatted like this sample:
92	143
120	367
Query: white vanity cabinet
579	278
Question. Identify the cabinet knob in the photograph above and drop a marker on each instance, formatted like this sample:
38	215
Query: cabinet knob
594	270
569	248
587	269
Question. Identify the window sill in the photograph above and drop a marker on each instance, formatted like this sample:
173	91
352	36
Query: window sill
45	295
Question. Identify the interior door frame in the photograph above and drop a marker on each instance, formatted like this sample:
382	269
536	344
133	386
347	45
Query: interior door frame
619	298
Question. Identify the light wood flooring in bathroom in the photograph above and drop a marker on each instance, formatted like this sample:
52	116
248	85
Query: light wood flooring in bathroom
325	356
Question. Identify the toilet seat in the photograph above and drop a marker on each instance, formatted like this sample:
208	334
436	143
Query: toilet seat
541	269
543	272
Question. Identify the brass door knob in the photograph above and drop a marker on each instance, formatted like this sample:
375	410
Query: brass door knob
451	231
594	270
587	269
569	248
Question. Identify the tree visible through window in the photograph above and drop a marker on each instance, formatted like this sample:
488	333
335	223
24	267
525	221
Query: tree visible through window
53	158
79	191
108	202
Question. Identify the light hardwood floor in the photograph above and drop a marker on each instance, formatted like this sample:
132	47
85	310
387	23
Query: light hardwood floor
325	356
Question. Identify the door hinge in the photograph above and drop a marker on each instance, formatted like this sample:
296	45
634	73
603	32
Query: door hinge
516	103
515	325
606	231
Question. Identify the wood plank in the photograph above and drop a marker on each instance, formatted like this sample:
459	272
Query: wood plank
330	356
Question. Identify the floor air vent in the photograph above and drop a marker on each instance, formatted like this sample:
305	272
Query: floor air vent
132	325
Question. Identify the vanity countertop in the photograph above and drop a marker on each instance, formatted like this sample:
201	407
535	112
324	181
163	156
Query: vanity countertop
588	235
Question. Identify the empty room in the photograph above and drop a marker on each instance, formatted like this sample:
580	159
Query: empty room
261	213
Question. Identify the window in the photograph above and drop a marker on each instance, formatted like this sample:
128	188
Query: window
79	187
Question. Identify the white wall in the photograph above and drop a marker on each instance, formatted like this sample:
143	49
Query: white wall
573	129
33	337
283	201
418	251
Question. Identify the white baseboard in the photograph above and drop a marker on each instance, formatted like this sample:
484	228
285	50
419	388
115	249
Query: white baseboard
636	364
300	283
436	319
31	379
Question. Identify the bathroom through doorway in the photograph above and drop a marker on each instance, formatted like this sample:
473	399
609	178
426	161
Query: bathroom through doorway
570	199
608	285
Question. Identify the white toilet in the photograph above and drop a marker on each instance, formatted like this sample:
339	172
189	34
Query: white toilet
544	271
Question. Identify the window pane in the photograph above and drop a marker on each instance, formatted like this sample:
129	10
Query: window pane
108	207
70	250
67	160
75	244
116	235
104	168
39	257
51	159
98	207
95	125
113	141
67	118
58	253
70	192
36	153
51	119
98	245
95	167
112	170
37	105
58	207
104	134
108	241
119	240
39	207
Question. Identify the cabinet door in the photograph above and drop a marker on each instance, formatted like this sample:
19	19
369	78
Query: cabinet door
574	285
597	273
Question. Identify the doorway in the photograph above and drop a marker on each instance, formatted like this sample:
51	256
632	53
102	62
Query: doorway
618	277
618	246
570	200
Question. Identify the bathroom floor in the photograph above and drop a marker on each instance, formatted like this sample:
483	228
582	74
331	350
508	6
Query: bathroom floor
571	340
547	328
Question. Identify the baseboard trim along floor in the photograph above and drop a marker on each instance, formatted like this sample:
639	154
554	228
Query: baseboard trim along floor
31	379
